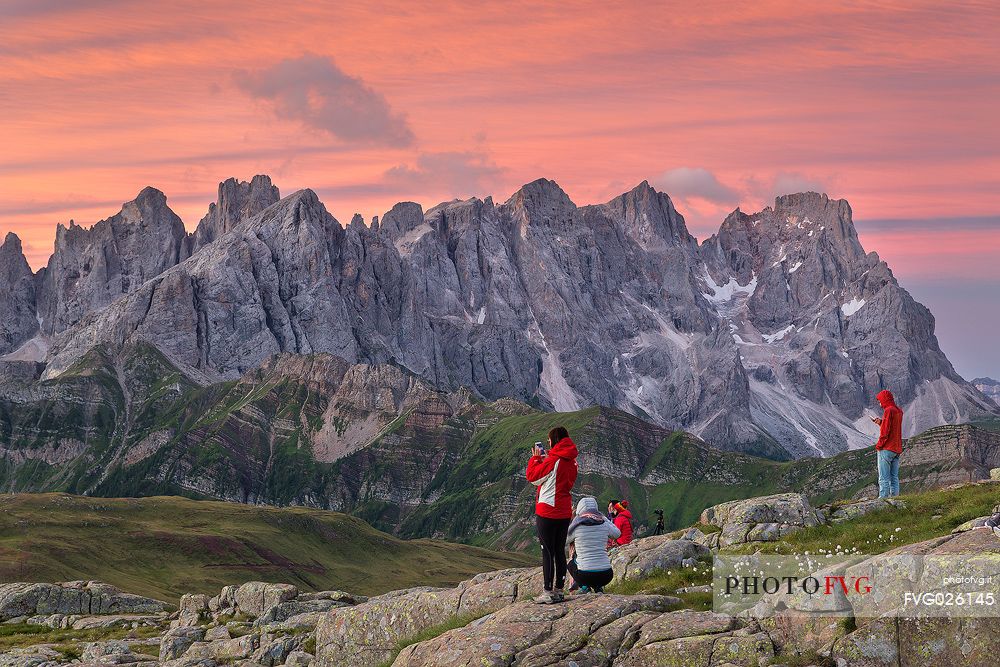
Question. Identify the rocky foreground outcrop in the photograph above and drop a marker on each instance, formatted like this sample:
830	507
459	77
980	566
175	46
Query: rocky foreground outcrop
489	620
369	633
644	557
769	518
57	604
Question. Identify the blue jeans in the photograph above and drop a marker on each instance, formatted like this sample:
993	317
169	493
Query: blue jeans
888	473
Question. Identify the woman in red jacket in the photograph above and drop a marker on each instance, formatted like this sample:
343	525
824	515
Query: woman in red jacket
554	473
623	521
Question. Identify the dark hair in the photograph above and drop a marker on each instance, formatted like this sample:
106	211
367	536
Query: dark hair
557	434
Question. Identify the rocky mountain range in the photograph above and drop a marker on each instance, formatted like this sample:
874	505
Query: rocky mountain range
383	444
989	387
770	337
398	370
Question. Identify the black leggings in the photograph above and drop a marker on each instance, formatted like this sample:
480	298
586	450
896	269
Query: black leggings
552	537
595	580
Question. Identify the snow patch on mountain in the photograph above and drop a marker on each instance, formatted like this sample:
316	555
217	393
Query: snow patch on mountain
852	306
779	335
730	298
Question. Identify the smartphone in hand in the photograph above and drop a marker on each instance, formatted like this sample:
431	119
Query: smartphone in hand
538	450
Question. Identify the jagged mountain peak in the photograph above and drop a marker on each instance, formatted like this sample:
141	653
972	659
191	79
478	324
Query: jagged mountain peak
541	199
11	243
12	261
17	296
150	196
91	267
402	218
806	199
237	200
302	207
776	328
649	217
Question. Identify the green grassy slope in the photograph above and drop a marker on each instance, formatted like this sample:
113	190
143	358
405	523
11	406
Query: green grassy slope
165	546
928	514
445	465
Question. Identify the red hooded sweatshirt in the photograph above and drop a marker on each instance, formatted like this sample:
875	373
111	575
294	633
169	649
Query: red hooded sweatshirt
891	434
554	476
623	520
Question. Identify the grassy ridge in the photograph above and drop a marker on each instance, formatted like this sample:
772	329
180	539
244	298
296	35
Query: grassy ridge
460	479
928	514
165	546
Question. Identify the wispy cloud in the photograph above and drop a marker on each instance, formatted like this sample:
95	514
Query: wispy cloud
762	189
687	182
313	90
463	173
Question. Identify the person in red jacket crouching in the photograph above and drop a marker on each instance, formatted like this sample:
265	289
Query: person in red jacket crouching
622	518
554	473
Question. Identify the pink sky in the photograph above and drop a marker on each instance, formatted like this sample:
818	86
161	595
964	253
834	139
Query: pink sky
891	106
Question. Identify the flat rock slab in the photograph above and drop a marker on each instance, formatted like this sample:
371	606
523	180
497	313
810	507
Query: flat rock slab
595	631
863	507
83	598
368	634
117	621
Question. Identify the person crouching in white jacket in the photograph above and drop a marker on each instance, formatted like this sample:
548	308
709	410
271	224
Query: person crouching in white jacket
588	539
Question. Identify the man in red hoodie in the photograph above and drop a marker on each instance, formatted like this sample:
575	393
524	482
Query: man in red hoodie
890	444
554	473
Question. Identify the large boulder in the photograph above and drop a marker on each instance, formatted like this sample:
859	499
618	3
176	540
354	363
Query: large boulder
192	609
598	631
921	642
292	608
224	650
176	641
761	519
369	633
256	597
114	652
31	656
276	651
585	630
84	598
925	642
641	558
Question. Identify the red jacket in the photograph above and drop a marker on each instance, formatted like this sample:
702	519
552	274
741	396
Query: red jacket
623	520
891	434
554	476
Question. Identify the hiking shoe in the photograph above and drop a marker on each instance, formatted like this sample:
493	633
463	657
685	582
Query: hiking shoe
547	597
558	595
584	590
